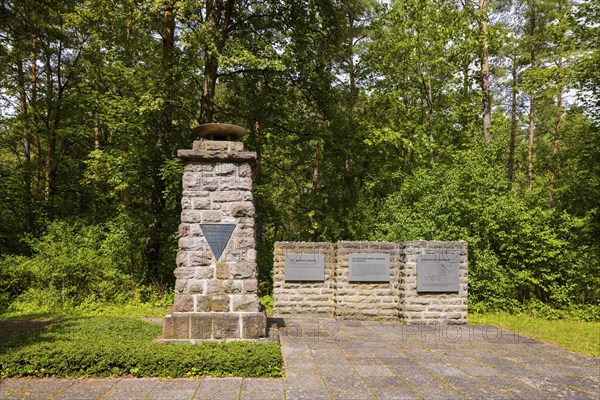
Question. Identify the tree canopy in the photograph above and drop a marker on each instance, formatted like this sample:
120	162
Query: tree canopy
395	120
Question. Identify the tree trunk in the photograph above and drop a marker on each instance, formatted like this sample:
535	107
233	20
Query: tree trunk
556	143
152	245
315	179
34	125
217	18
513	126
485	72
532	92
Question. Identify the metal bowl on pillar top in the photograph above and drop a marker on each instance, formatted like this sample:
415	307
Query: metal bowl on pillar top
215	131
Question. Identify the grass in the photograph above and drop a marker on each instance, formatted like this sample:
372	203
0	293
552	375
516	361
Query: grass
578	336
103	346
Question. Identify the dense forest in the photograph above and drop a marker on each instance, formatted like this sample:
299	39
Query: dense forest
394	120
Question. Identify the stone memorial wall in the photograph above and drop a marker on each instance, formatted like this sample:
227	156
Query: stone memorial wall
366	280
310	295
419	282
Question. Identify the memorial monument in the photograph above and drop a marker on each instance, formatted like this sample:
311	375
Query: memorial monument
216	274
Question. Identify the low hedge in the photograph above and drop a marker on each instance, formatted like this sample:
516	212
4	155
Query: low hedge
112	346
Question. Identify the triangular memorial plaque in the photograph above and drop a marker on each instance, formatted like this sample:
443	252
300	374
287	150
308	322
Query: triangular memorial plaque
217	236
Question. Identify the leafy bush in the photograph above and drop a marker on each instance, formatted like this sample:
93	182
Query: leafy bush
522	255
109	346
72	265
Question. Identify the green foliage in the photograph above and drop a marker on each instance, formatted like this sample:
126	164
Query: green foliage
520	255
73	266
365	115
110	346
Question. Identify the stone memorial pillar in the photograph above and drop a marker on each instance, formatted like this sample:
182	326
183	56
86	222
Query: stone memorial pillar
216	274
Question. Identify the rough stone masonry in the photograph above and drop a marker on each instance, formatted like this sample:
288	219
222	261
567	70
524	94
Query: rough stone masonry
216	298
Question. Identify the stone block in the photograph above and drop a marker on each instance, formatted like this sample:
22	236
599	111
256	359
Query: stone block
191	216
203	303
222	270
176	327
183	303
229	196
201	203
180	285
242	209
242	270
231	286
190	243
219	304
226	326
225	169
184	272
204	272
245	303
196	286
201	326
250	285
213	286
245	171
201	257
208	184
254	326
236	183
211	216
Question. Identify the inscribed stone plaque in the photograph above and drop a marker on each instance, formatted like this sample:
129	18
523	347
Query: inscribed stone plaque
304	267
369	267
437	273
217	236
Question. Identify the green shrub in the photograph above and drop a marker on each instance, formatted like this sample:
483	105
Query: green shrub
109	346
72	265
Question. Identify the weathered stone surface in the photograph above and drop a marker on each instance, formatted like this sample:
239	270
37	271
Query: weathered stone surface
201	203
180	285
229	196
203	303
184	272
219	304
250	285
232	286
242	270
245	303
201	326
254	325
196	286
226	326
222	270
176	327
242	209
183	303
211	216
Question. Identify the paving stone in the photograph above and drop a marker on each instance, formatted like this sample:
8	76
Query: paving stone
352	394
136	384
388	382
374	370
23	394
439	394
303	383
308	394
393	394
271	384
124	394
172	394
261	395
337	382
478	394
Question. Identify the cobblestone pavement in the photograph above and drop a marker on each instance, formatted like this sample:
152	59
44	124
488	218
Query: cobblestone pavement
326	359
